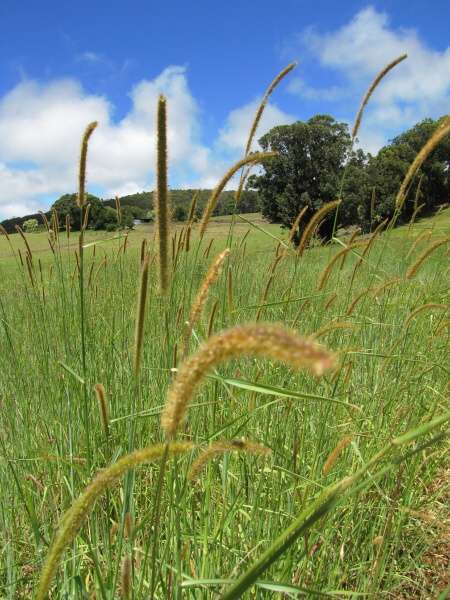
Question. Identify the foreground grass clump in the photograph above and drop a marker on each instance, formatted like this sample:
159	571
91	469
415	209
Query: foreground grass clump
305	462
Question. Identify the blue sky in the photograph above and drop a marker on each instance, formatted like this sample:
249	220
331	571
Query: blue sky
65	64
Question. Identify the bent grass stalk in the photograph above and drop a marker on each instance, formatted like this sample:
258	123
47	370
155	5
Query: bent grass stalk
296	223
371	90
313	224
72	521
268	341
327	271
218	448
441	132
428	306
140	317
202	295
214	197
281	75
413	269
334	455
81	201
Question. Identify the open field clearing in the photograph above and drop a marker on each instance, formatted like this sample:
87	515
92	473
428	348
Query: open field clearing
277	437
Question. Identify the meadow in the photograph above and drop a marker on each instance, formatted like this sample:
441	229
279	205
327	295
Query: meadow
279	438
207	410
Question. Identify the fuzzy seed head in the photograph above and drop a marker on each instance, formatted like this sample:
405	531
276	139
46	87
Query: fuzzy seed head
267	341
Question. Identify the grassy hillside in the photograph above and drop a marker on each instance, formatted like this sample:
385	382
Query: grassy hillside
384	539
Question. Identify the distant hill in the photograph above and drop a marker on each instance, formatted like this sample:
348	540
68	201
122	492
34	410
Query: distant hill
249	203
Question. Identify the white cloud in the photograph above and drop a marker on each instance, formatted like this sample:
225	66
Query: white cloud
41	127
235	132
417	88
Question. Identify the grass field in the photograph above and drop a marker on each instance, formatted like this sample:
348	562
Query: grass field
384	536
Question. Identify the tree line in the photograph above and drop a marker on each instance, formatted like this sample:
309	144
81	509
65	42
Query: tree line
316	164
139	206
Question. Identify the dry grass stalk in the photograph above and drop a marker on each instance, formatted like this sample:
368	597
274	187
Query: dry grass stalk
143	251
212	317
331	327
208	248
296	223
45	220
268	341
162	196
420	238
103	407
330	301
29	268
325	275
5	233
125	577
230	289
76	515
413	269
428	306
214	197
365	253
371	89
352	238
23	236
415	213
377	291
81	196
266	291
313	224
85	218
140	317
118	210
281	75
354	302
301	308
444	325
202	295
332	458
441	132
219	448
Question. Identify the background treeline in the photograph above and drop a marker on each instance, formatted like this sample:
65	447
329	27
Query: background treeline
140	206
317	164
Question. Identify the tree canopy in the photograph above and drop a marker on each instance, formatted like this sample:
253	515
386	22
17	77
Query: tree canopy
316	164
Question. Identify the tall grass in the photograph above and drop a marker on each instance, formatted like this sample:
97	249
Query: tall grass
329	512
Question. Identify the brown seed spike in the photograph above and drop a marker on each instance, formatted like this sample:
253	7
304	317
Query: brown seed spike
81	198
441	132
268	341
218	448
371	89
162	196
214	197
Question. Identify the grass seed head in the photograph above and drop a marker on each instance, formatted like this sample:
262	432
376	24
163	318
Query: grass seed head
265	341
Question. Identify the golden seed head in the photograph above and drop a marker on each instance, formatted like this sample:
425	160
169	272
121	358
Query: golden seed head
268	341
81	197
218	448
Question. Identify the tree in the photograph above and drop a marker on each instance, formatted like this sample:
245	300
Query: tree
179	213
67	206
307	172
30	225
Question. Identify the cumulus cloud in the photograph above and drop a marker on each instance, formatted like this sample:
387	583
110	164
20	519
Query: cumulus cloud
234	134
41	127
417	88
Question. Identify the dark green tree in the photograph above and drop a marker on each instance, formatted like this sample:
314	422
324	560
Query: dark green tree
308	170
179	213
